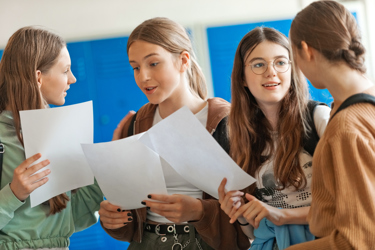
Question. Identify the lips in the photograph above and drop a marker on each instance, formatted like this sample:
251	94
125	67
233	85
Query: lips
273	84
150	90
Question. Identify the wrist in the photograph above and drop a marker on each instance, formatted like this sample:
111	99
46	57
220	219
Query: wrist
242	221
19	198
198	210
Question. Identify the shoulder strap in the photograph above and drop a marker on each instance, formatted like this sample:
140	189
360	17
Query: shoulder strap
221	134
312	138
131	125
357	98
1	158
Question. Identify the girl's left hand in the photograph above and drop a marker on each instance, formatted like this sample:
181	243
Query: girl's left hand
177	208
255	210
120	126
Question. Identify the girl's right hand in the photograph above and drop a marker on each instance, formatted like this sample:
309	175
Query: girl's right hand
112	217
120	126
25	181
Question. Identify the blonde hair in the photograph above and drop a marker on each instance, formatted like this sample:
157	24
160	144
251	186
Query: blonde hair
172	37
29	49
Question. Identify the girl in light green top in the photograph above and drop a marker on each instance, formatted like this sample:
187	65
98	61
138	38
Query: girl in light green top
34	72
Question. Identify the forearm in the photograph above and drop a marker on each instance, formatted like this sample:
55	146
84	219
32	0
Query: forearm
294	216
84	205
8	205
246	227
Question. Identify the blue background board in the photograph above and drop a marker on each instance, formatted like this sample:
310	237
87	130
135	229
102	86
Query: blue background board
104	75
222	44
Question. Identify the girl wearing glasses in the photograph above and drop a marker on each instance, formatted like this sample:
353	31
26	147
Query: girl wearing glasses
268	121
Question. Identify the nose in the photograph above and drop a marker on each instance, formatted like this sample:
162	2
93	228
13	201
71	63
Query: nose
144	75
270	70
72	79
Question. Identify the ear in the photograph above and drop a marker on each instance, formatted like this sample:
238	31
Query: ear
185	61
38	75
306	52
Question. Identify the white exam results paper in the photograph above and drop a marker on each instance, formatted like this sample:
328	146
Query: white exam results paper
57	133
188	147
126	171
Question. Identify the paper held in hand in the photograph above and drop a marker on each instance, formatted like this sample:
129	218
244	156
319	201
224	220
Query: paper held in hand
188	147
57	133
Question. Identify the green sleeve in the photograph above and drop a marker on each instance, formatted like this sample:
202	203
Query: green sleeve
9	203
84	205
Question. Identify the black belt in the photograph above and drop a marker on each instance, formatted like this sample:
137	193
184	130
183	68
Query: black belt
161	229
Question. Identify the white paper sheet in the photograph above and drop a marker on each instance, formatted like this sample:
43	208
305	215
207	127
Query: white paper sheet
188	147
57	134
126	171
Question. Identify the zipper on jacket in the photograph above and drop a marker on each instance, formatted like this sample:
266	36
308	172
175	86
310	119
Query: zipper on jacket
134	127
213	131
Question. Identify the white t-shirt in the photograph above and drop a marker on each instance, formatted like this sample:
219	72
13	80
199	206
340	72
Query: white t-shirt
175	183
290	198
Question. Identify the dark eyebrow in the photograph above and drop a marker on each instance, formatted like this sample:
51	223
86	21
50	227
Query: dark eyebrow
260	58
144	58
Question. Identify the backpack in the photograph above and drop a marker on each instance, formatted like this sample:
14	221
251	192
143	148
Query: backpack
357	98
310	141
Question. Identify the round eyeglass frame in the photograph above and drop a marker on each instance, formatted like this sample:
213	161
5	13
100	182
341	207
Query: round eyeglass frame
273	65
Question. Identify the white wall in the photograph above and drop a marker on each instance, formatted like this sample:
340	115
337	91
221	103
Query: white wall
77	20
86	19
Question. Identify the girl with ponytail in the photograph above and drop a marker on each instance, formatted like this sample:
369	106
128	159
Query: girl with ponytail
327	48
34	72
165	69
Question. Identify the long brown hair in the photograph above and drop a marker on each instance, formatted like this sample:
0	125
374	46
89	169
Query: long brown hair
172	37
249	129
330	28
29	49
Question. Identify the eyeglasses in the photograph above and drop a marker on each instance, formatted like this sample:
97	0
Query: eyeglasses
259	66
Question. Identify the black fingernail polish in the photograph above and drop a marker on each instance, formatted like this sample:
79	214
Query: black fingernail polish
118	210
123	210
148	208
149	196
143	203
125	223
129	214
130	219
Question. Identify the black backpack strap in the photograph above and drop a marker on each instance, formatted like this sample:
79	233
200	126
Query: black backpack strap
357	98
2	149
312	138
131	125
221	134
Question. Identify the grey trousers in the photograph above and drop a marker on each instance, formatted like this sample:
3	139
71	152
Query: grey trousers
190	241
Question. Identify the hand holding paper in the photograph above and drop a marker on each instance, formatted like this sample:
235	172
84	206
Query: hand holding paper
57	134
